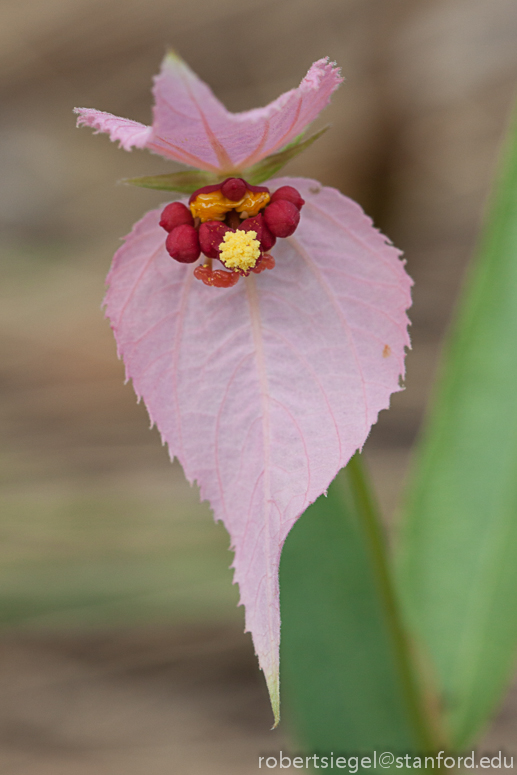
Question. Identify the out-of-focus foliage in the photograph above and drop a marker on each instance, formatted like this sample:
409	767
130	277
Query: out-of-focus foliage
458	555
346	674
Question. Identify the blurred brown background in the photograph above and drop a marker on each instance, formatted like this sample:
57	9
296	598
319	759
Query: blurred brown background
122	647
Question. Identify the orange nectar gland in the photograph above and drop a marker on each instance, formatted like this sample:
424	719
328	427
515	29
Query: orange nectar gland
214	205
233	222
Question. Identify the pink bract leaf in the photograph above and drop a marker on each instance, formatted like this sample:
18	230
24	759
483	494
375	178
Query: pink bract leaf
193	127
265	390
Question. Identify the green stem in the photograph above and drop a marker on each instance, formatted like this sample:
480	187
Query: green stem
376	542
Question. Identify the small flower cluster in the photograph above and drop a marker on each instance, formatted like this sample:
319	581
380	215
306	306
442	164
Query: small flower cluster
233	222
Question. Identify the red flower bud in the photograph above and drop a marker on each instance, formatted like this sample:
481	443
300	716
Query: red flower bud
282	218
175	214
255	224
289	194
268	239
258	225
211	235
233	189
183	244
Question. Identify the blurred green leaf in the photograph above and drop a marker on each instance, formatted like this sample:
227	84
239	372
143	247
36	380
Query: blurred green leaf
184	182
458	549
346	673
270	166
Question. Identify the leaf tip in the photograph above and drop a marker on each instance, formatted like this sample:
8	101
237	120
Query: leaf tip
129	182
273	686
172	57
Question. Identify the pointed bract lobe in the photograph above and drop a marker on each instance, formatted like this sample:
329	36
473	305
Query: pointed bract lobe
130	134
265	390
193	127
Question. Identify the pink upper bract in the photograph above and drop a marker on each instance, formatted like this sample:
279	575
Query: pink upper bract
265	390
193	127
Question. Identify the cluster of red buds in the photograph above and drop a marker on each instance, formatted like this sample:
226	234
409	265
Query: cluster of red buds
233	222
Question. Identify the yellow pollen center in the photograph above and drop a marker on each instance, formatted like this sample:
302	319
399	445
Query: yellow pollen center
240	249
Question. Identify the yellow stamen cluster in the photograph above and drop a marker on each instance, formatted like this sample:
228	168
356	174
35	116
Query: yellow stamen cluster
240	250
213	205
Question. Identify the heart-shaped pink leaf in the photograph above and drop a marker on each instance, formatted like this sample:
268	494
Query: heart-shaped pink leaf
265	390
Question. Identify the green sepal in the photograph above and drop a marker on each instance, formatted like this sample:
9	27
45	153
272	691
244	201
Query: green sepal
185	182
270	166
